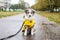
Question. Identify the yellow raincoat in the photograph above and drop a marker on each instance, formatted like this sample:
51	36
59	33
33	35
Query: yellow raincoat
28	23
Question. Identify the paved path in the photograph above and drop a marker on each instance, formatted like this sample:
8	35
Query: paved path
45	30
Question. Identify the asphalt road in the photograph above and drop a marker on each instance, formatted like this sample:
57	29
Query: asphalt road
45	30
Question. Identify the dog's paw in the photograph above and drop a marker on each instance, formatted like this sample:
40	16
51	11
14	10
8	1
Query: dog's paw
33	33
25	34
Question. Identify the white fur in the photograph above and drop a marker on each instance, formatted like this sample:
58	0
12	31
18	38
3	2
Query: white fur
32	32
27	15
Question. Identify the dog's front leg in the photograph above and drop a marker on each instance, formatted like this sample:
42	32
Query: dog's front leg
33	31
25	33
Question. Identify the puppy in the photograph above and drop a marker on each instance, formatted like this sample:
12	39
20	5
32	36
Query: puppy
29	13
29	22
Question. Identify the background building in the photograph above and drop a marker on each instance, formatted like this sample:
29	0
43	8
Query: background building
5	4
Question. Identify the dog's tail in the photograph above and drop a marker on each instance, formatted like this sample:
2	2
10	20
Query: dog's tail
13	34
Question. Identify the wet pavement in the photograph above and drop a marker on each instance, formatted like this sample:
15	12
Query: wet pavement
45	29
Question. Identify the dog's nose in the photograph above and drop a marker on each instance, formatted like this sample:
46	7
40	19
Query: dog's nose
29	15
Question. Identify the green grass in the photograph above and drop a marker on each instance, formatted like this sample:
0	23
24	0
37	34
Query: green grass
5	14
51	16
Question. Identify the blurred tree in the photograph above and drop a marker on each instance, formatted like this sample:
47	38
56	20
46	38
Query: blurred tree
21	5
41	4
15	6
54	4
46	4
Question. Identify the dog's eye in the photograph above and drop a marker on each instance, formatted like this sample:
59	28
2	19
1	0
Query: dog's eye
33	12
27	12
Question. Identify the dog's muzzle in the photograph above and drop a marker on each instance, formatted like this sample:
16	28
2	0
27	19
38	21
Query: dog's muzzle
29	15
